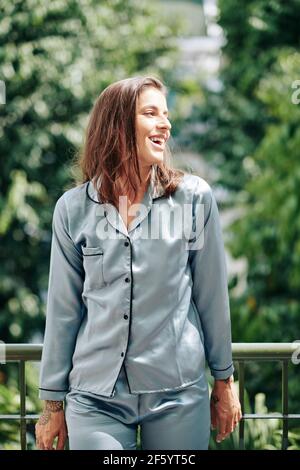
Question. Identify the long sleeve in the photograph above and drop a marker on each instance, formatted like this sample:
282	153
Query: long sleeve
210	288
64	308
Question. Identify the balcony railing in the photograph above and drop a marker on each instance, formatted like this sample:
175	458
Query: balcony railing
242	352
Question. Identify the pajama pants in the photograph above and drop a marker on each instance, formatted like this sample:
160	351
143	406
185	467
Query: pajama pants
168	420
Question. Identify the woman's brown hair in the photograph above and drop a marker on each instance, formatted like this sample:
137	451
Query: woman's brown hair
109	154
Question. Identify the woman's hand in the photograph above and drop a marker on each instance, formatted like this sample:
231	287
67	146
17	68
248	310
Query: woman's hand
51	424
225	408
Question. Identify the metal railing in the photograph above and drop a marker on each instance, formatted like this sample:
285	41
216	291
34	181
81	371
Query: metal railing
22	353
278	352
242	352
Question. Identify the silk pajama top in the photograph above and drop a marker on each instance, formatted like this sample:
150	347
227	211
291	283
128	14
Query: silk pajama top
156	304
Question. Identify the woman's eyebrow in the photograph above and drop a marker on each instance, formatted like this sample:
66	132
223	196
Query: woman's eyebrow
153	107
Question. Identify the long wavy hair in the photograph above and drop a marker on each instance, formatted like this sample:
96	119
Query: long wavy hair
109	153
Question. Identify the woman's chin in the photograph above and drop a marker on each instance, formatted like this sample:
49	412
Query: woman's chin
158	157
154	158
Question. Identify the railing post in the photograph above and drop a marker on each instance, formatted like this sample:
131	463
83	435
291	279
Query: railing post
285	405
241	366
22	382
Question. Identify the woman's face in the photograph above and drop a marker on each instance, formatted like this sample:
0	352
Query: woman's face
152	126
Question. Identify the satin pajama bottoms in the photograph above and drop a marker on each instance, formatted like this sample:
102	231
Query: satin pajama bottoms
174	420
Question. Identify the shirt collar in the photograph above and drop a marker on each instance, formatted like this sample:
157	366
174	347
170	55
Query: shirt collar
154	190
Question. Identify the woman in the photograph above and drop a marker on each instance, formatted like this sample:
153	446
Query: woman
133	311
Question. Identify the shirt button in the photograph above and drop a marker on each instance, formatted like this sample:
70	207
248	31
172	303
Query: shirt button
127	279
122	354
126	244
105	213
126	317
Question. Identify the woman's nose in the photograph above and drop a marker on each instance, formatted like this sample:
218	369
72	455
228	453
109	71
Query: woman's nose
165	124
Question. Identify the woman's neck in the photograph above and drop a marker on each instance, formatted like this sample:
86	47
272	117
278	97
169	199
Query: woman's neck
145	181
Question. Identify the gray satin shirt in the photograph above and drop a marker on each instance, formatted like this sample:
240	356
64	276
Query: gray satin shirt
155	303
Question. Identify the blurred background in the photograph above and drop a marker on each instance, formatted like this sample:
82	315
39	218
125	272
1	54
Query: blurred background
233	73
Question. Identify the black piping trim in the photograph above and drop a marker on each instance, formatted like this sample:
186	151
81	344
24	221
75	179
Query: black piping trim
94	254
130	318
87	193
51	390
98	202
220	370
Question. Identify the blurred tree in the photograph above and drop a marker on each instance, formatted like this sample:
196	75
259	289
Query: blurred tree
55	58
234	118
268	234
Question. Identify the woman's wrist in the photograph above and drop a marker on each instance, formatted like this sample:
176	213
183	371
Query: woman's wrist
222	382
54	406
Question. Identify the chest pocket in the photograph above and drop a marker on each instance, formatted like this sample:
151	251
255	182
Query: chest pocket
93	267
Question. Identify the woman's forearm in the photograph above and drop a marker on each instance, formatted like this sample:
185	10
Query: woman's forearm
53	405
50	407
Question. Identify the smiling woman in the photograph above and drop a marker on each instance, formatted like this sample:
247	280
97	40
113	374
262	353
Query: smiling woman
132	316
152	124
127	134
126	139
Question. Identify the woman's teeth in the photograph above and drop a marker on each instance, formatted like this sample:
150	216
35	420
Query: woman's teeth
157	143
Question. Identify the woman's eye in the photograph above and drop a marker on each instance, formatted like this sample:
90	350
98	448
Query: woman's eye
150	112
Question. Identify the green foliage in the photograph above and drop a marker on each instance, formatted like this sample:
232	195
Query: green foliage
189	11
273	200
268	233
10	405
234	119
260	434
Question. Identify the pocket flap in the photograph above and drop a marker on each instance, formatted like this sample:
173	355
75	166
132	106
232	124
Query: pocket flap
90	250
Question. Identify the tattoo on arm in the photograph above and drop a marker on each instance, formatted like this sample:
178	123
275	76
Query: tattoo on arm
50	407
54	406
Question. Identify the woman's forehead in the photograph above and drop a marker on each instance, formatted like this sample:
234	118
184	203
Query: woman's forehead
151	97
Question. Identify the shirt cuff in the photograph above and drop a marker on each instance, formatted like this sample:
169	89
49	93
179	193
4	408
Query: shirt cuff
222	373
52	395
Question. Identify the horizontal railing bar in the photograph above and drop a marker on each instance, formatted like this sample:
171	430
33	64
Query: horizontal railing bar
270	416
240	351
259	359
23	352
264	351
12	417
